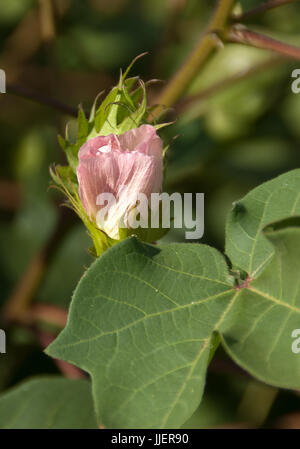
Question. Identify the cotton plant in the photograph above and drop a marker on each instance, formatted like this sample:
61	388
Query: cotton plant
145	320
145	316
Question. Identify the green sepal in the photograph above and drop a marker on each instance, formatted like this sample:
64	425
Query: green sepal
149	235
71	149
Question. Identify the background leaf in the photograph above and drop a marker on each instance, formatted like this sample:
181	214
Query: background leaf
48	403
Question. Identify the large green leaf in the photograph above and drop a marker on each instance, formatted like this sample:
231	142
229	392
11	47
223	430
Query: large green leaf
141	323
48	403
258	331
144	320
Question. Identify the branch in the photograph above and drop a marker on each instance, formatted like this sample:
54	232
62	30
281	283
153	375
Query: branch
242	35
256	403
10	195
190	100
271	4
49	314
33	95
68	370
18	304
187	72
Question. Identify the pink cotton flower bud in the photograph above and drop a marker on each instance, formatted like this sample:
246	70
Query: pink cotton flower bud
121	167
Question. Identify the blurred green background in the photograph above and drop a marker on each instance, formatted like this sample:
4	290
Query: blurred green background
237	126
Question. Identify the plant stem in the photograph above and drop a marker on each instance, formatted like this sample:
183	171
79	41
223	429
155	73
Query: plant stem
271	4
33	95
242	35
187	72
189	101
47	313
256	403
69	371
17	306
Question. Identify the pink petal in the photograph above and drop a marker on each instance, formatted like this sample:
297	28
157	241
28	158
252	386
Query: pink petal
108	173
143	139
91	147
108	163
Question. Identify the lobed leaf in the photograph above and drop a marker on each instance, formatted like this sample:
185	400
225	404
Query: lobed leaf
141	323
246	244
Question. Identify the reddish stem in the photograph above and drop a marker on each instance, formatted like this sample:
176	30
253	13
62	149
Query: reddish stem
264	7
242	35
68	370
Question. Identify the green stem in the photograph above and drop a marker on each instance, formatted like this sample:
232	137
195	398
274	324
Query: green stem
187	72
256	403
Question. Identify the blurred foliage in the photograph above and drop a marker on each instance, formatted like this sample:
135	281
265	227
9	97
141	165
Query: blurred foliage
228	142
